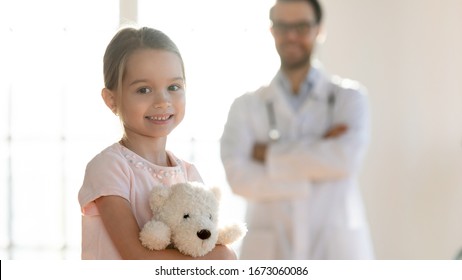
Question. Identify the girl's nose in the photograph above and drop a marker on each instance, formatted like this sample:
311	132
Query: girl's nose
162	100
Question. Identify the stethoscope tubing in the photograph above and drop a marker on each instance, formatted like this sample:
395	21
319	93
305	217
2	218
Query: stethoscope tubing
274	133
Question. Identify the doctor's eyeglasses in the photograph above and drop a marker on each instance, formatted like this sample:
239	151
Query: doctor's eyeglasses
300	28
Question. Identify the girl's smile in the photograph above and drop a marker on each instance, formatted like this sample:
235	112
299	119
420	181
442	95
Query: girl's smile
159	119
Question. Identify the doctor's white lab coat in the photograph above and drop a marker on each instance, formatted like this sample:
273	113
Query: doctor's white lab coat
304	202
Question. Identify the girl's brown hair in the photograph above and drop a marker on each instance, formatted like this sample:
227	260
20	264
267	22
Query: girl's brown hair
127	41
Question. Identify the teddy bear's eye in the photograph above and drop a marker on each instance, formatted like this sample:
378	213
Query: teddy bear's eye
210	216
185	216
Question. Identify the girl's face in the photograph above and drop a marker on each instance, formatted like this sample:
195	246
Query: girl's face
153	93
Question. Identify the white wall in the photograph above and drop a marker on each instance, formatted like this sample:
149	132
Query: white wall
408	53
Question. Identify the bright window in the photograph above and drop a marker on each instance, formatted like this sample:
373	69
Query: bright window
51	120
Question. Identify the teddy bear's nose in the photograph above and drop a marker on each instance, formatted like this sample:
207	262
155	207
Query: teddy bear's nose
203	234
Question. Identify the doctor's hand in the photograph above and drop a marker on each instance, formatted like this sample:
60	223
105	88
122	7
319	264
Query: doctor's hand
259	152
336	131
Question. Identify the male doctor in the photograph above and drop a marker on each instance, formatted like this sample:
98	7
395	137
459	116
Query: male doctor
293	150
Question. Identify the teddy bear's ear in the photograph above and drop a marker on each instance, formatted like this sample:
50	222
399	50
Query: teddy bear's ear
158	196
216	192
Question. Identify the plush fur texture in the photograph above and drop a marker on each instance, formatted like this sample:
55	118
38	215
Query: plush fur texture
186	217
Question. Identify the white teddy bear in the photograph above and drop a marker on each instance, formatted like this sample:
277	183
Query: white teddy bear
186	217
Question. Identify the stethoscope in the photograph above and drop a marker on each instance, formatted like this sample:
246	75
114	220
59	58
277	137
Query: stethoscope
274	134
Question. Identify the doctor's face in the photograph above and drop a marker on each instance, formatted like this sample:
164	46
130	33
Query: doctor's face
294	30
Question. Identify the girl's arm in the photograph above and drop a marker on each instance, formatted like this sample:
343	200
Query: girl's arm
123	229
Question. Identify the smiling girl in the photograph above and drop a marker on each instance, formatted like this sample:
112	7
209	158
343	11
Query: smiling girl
145	86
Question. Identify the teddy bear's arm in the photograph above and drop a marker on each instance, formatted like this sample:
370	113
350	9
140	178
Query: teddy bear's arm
155	235
231	233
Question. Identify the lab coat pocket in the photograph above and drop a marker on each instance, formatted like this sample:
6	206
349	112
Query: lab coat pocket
259	244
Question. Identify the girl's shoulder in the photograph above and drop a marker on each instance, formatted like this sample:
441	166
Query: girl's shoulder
111	160
112	154
176	160
189	169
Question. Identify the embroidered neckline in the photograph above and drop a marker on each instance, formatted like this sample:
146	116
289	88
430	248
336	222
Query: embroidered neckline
158	172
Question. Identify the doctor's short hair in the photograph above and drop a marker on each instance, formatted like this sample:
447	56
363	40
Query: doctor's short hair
314	3
124	43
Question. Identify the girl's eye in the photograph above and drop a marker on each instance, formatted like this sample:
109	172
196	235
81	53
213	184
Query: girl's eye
144	90
174	88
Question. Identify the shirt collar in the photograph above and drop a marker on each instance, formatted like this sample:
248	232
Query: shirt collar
310	80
